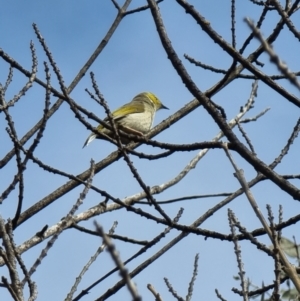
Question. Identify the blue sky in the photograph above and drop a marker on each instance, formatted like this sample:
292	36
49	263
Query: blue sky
135	61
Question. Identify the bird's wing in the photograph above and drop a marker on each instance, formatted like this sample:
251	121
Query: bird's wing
122	112
127	109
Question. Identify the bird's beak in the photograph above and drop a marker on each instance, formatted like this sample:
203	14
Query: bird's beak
164	107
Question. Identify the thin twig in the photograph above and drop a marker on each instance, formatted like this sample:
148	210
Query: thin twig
118	262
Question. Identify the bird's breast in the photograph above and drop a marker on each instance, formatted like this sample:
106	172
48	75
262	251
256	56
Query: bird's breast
141	122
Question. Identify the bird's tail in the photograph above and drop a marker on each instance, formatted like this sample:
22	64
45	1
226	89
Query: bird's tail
90	138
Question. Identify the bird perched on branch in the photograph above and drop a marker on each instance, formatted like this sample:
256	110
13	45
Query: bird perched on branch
135	117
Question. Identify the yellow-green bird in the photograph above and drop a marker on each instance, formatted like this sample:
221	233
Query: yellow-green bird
135	117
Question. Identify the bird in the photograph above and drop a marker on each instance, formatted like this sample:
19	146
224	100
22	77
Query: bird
135	117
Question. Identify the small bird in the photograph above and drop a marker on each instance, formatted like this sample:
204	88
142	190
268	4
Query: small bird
135	117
